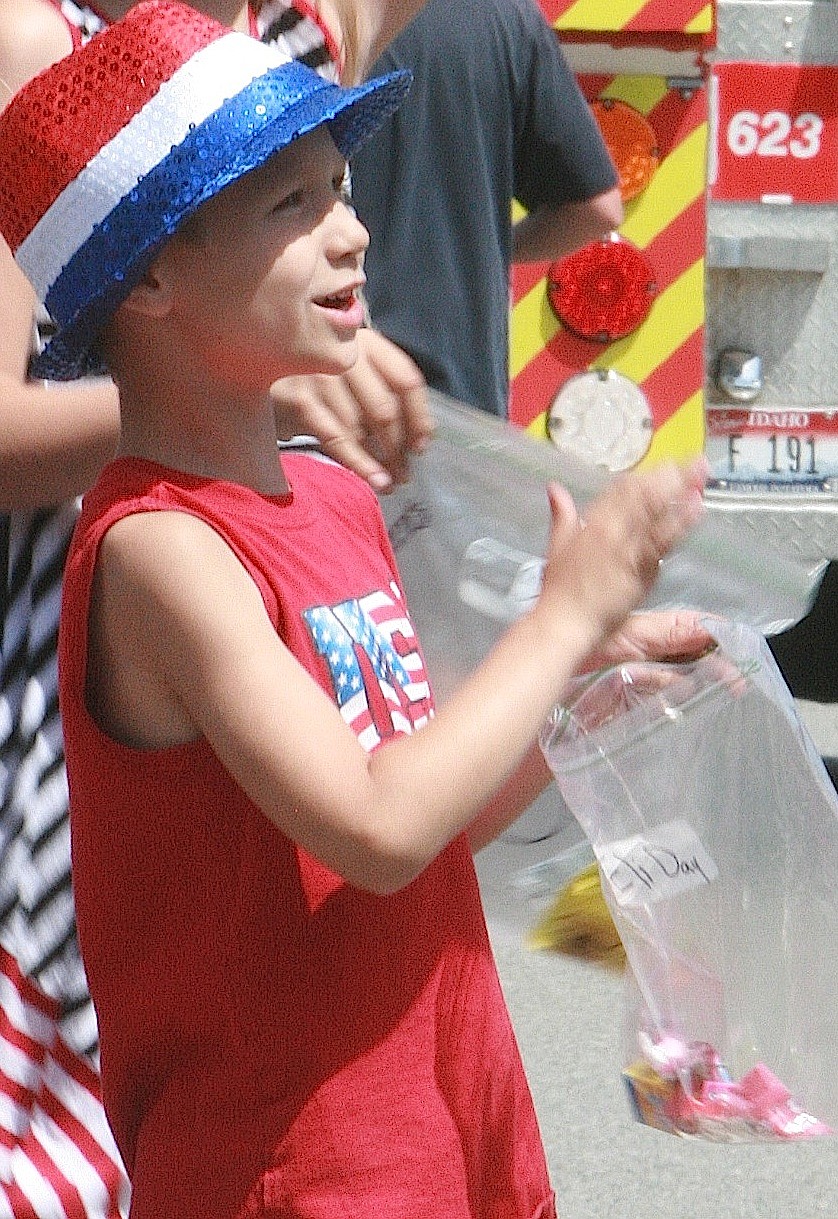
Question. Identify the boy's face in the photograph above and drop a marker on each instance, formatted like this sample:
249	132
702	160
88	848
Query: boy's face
265	276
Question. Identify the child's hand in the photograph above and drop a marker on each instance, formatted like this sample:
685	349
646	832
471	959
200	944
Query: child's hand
667	635
602	568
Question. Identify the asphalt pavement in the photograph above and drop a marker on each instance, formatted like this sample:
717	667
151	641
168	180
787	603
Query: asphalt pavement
568	1014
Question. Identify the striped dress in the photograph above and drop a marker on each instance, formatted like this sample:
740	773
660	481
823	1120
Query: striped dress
57	1156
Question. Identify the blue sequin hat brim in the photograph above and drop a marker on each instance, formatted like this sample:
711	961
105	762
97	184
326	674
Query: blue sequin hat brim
276	109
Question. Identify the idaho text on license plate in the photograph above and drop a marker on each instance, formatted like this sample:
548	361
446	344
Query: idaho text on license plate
779	449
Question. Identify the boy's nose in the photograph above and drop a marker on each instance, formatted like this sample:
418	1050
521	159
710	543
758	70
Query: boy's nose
348	234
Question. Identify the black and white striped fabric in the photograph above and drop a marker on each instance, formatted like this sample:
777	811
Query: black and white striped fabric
293	24
57	1155
36	904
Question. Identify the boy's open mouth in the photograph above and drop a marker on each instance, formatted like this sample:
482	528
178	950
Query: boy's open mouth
340	300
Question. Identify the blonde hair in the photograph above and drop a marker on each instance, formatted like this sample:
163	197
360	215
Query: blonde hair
345	15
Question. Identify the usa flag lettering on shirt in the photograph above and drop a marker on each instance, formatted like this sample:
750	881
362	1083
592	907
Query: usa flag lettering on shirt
377	671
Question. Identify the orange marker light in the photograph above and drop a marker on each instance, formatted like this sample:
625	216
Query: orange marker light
632	142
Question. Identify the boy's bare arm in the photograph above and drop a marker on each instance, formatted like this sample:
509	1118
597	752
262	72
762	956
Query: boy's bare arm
217	668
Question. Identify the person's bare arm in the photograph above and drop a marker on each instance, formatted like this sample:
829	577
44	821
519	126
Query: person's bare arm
32	36
217	668
553	230
53	439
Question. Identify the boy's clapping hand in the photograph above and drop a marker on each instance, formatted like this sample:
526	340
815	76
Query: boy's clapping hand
601	568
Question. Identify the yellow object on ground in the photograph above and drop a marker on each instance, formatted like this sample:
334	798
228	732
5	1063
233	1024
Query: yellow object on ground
578	922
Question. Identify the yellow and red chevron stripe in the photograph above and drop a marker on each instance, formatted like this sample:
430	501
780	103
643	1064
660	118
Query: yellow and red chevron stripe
631	16
667	222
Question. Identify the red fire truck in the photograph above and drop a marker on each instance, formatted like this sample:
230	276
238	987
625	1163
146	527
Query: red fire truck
708	321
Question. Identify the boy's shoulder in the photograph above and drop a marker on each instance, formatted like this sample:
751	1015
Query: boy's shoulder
132	484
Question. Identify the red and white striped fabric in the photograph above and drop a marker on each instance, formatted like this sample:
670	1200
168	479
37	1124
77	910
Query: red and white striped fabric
58	1159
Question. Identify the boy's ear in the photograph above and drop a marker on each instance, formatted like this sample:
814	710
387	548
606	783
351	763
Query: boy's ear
153	295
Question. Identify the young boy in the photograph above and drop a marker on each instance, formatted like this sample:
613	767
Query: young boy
298	1007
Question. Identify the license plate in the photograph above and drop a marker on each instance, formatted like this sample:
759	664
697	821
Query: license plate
780	450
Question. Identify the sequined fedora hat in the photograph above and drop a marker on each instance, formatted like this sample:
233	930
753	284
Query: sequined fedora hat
108	151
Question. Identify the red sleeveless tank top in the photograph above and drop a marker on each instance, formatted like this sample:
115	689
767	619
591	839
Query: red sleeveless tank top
274	1041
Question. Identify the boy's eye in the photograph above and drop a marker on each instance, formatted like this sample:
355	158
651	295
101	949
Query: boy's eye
341	187
293	199
344	194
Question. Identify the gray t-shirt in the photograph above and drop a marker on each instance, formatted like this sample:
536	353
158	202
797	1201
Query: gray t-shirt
494	114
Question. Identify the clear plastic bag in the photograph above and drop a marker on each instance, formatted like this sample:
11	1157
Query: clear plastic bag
715	827
470	531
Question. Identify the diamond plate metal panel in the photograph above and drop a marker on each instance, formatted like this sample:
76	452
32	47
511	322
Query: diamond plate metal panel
787	317
803	32
794	525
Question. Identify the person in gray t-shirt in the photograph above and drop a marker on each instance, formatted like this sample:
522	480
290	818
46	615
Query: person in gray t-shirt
494	114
